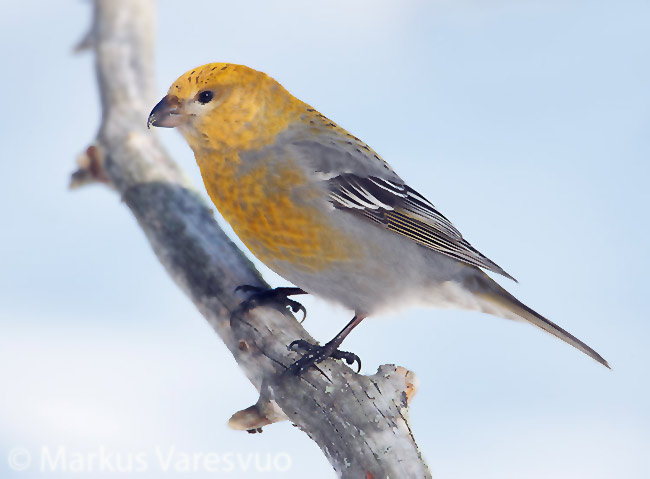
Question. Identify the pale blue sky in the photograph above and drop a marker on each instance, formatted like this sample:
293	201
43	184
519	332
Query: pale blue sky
525	122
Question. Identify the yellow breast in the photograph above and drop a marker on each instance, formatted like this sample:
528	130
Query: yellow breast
260	206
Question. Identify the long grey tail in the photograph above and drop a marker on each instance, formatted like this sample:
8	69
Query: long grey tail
501	303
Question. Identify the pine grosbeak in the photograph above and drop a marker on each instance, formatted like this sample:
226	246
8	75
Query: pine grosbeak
323	209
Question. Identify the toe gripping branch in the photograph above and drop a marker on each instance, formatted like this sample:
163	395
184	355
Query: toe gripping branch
271	296
315	354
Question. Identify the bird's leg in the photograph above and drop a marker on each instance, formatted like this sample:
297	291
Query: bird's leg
261	296
315	354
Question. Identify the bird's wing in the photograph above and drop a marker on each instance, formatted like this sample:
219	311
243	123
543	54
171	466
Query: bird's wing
399	208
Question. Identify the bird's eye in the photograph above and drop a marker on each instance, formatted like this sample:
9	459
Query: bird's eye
205	97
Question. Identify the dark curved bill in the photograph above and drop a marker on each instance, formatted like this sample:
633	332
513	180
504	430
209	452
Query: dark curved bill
166	113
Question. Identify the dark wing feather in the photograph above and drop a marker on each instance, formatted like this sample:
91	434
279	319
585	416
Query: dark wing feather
400	209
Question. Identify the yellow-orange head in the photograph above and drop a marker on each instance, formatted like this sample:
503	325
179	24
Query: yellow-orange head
225	107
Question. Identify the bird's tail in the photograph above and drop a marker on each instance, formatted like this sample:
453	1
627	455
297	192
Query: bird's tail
499	302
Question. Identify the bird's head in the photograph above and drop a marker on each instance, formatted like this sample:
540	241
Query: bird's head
221	106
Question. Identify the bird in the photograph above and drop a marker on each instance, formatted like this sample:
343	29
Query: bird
325	211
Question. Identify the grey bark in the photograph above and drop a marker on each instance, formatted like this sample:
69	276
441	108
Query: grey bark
359	422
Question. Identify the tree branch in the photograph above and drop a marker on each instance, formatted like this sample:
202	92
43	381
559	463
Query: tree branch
360	422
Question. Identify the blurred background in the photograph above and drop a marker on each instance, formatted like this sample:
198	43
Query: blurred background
525	122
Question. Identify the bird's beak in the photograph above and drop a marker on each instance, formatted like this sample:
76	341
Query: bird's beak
167	113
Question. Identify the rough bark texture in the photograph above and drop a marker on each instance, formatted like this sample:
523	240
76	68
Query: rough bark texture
360	422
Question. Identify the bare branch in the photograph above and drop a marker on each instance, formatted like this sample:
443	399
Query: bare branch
360	422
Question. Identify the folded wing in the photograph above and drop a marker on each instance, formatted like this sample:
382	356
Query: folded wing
398	208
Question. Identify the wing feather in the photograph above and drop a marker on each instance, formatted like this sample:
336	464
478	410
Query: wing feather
400	209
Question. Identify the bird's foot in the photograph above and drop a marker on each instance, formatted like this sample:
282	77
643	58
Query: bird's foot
315	354
275	296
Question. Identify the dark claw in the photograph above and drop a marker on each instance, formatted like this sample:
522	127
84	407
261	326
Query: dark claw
299	344
348	357
315	354
295	306
259	296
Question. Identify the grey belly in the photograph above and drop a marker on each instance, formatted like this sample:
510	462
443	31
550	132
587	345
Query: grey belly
388	272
